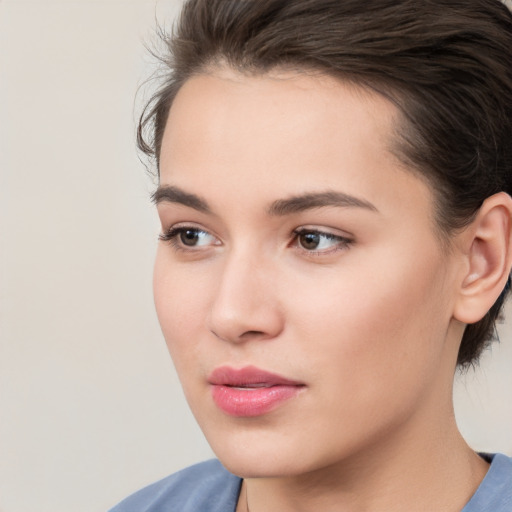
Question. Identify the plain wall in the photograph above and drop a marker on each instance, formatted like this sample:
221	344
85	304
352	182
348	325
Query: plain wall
90	407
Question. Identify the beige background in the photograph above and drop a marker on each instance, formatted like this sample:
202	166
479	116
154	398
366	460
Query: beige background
90	408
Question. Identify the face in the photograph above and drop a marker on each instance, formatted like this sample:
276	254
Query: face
300	284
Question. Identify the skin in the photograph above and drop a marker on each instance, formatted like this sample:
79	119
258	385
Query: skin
366	321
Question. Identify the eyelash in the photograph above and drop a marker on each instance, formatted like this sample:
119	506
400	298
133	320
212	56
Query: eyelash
171	236
342	243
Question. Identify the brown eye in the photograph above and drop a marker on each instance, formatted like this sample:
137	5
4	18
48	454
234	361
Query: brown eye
320	242
189	237
309	241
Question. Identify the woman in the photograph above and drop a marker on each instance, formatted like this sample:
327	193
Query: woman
334	183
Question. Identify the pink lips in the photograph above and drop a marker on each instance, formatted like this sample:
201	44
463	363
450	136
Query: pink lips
250	391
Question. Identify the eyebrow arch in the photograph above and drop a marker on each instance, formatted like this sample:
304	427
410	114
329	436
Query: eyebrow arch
170	194
296	204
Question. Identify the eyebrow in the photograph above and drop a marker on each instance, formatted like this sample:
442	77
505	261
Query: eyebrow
281	207
169	194
296	204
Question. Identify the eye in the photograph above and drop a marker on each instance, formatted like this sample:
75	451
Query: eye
316	241
188	237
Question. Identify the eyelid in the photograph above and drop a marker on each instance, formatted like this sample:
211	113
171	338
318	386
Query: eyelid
171	234
342	241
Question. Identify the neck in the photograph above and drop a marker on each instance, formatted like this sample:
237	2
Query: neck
398	473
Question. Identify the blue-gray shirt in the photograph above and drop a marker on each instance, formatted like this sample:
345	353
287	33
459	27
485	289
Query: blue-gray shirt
208	487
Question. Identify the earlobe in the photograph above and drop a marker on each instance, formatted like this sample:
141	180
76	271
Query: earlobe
489	259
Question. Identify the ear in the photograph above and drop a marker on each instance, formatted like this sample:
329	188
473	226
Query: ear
488	251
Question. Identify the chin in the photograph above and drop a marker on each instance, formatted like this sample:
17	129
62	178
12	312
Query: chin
252	466
265	455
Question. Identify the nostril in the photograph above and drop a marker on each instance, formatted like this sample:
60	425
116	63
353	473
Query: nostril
252	333
245	336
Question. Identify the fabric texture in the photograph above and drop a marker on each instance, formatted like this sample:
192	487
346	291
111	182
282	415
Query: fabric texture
209	487
495	492
204	487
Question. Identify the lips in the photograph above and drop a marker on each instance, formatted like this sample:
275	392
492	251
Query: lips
250	391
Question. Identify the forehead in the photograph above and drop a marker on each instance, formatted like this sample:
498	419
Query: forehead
283	104
279	134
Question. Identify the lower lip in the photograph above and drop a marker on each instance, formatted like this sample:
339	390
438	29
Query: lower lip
249	402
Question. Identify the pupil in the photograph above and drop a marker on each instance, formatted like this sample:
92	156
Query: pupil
310	240
189	237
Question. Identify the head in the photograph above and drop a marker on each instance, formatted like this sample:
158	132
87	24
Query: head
446	66
333	199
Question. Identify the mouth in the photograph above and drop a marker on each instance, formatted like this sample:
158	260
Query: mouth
250	391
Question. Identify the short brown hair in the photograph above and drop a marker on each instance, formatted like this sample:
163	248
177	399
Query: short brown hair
446	64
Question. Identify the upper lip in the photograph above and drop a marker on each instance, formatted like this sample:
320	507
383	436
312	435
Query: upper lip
248	376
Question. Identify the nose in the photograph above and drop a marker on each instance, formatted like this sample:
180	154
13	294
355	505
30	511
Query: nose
246	306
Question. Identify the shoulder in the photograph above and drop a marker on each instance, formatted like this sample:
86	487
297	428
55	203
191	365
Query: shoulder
204	487
495	492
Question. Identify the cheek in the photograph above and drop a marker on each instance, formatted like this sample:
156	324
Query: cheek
376	327
181	305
